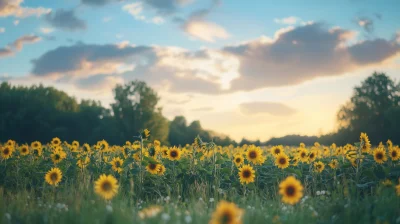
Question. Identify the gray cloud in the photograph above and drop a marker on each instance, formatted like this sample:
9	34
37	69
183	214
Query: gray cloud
366	23
304	53
65	20
272	108
98	2
166	7
73	59
18	44
293	57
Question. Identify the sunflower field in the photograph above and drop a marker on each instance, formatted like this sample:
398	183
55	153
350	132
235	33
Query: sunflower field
144	181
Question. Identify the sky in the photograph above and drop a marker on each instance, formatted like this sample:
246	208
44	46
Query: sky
254	69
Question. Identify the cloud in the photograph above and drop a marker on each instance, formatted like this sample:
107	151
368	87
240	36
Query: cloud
85	60
46	30
2	29
292	57
197	26
206	31
27	39
98	2
202	109
14	8
166	7
16	22
305	53
18	44
366	23
291	20
65	20
272	108
135	9
157	20
99	82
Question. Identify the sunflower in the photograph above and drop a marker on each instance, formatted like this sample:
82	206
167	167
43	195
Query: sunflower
117	164
227	213
162	170
303	155
86	148
58	155
365	144
334	164
145	133
387	183
103	146
319	167
246	174
153	168
276	150
238	160
11	143
36	145
302	145
53	176
295	161
312	156
6	151
389	144
106	186
338	151
394	153
282	160
37	151
82	163
75	144
174	154
398	189
379	155
24	150
291	190
254	154
55	141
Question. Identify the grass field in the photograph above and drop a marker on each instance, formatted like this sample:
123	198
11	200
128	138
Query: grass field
146	182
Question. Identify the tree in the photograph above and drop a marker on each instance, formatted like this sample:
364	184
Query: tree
135	109
373	108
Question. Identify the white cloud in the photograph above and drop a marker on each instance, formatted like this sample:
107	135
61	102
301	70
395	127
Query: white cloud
46	30
2	29
291	20
14	8
16	22
158	20
135	9
206	31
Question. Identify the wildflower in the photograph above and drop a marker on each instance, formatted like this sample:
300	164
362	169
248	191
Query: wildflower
379	155
117	164
319	166
282	160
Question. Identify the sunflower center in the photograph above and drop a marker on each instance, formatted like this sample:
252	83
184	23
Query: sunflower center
238	160
117	164
303	154
282	161
290	190
57	157
394	153
56	142
311	155
174	154
54	177
253	154
246	173
277	151
226	217
6	151
379	155
106	186
24	149
152	166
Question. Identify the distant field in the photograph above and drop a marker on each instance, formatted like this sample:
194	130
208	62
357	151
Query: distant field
146	182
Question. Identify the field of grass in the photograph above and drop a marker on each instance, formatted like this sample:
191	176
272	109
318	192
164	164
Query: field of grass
146	182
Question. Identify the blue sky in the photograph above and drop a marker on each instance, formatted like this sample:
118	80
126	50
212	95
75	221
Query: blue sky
220	57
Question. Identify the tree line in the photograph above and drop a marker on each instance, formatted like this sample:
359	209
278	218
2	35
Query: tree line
40	113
